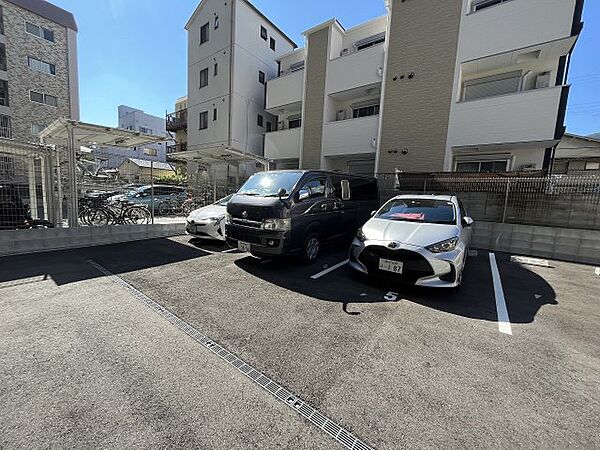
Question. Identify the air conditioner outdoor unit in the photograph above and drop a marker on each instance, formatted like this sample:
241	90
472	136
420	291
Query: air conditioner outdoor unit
543	80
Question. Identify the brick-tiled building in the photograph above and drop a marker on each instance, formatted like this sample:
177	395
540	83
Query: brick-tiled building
38	67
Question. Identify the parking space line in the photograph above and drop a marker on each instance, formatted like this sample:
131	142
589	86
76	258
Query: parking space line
503	319
231	250
330	269
324	423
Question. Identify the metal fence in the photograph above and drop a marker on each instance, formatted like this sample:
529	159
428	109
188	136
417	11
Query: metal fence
566	201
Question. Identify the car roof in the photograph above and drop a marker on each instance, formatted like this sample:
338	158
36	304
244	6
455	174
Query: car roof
447	198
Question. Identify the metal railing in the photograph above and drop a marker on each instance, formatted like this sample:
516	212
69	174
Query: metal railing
566	201
177	120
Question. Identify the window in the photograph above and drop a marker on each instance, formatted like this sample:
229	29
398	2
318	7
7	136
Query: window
40	32
316	188
371	41
365	111
46	99
261	77
272	44
37	128
507	83
269	127
260	120
2	57
203	78
203	120
263	33
145	130
363	189
215	114
295	123
216	70
478	5
297	66
4	93
592	166
41	66
204	33
5	126
482	166
1	20
216	22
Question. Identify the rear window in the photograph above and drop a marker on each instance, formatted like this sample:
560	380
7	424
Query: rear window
418	210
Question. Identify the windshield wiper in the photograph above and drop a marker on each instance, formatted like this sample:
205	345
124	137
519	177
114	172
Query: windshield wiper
251	194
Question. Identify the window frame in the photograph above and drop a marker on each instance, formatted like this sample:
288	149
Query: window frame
263	33
215	115
317	197
41	31
201	39
51	67
262	77
215	69
260	121
200	78
596	165
272	43
479	162
356	110
203	117
216	22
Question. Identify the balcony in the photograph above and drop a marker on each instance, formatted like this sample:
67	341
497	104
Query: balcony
351	137
285	92
361	68
283	144
177	121
176	148
530	23
528	116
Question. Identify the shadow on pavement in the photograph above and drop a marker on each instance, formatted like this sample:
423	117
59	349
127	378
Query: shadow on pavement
475	299
70	266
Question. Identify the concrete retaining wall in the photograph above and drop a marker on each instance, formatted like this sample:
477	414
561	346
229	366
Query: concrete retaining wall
34	241
581	246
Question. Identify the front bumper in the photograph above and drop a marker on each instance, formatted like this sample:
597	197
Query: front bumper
269	243
420	266
206	230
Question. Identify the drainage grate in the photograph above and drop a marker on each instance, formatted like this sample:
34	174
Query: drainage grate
340	434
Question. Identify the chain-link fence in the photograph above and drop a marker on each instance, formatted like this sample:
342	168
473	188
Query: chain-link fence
566	201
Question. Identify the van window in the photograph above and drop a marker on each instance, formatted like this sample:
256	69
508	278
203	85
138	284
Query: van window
363	189
316	188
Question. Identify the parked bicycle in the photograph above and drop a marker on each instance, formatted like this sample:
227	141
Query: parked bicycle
116	213
175	207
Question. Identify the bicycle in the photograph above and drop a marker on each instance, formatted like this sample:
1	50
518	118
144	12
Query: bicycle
118	213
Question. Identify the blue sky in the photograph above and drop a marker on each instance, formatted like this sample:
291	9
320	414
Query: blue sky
133	52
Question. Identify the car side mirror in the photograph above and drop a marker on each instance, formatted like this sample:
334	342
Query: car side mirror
373	213
467	221
303	194
281	193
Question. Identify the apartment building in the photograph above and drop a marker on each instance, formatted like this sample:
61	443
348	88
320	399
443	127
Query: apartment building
232	52
177	126
434	85
38	67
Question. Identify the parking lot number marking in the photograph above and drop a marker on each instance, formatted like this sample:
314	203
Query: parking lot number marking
330	269
391	296
503	320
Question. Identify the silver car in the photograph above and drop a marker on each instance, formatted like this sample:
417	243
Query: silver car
208	222
418	239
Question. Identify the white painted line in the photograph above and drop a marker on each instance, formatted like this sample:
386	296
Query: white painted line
330	269
530	261
231	250
503	320
205	251
597	271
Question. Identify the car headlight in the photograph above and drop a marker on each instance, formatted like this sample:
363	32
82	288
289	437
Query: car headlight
209	220
360	235
277	224
227	218
445	246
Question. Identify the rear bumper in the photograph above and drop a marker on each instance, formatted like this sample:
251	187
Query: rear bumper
271	243
421	267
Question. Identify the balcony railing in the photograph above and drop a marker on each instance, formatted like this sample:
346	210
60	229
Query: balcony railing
176	148
177	120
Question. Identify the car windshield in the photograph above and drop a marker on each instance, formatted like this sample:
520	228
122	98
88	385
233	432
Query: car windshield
137	191
418	210
224	200
268	184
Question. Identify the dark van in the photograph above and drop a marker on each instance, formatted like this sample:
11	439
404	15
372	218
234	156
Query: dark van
291	212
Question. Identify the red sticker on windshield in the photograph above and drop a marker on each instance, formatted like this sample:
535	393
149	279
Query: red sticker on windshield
409	216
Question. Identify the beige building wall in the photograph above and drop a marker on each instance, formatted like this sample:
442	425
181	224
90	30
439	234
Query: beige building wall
422	43
317	56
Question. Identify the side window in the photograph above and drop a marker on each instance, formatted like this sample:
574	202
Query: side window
337	186
461	210
316	188
363	189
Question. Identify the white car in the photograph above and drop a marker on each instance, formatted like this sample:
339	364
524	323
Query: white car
418	239
208	222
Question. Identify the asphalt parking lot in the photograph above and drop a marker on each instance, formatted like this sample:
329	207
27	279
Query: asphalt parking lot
84	362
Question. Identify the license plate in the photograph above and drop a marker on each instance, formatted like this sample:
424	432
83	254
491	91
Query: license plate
391	266
243	247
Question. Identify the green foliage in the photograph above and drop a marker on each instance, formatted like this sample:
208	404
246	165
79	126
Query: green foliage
171	179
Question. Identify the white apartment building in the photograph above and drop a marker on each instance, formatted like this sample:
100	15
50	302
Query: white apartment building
435	85
232	51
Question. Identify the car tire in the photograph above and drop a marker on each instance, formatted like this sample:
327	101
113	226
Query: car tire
311	248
